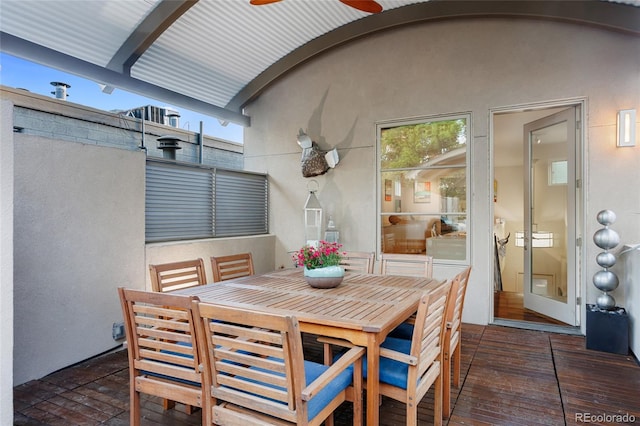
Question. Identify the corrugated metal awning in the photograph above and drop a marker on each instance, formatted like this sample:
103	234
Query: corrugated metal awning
215	56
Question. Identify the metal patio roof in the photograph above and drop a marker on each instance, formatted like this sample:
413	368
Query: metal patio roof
215	56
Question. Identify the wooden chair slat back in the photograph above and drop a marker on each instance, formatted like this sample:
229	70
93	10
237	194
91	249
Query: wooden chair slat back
176	275
358	261
164	360
160	334
455	319
416	265
452	350
429	330
232	266
255	360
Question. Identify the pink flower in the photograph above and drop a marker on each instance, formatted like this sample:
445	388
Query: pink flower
326	254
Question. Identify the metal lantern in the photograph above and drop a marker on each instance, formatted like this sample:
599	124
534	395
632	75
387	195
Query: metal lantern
312	217
331	235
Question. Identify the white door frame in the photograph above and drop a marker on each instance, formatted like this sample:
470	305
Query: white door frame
581	172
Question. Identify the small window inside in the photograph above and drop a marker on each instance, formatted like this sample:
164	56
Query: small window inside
558	172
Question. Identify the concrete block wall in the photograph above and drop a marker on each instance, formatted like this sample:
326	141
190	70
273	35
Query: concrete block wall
37	115
48	125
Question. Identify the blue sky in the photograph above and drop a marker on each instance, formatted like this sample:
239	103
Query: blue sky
18	73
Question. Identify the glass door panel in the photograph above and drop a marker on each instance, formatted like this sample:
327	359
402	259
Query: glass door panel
549	235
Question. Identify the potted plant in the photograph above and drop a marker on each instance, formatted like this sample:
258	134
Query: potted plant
321	264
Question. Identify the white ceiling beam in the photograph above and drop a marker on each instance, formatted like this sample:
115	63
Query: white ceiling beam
36	53
147	32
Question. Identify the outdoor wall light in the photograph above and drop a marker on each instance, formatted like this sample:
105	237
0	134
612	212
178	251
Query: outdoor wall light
627	127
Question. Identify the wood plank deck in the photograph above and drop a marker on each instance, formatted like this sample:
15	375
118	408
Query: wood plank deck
510	376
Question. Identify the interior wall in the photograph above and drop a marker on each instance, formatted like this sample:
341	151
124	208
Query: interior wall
79	215
509	207
444	67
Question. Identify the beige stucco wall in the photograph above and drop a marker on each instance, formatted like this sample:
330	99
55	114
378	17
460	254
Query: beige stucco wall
79	226
6	263
437	68
261	248
80	201
80	235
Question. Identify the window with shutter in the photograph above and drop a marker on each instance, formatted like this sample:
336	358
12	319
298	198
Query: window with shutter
190	202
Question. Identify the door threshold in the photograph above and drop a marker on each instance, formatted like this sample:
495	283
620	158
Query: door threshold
551	328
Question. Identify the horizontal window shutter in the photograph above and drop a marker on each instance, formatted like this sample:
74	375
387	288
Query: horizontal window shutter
191	202
241	206
179	203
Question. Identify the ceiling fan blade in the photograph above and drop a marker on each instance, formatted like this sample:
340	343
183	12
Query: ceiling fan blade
261	2
369	6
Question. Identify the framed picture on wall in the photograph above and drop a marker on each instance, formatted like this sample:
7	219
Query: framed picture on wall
387	189
422	192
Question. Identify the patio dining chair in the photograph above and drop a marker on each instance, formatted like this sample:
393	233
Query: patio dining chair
177	275
358	261
232	266
255	372
452	341
451	349
415	265
173	276
408	368
162	347
418	265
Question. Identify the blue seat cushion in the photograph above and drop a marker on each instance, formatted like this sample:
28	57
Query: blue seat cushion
175	379
392	372
331	390
312	371
403	331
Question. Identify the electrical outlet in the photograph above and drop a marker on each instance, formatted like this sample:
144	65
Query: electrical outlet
118	330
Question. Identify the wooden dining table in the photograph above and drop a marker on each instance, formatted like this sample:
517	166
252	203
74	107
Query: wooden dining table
363	309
